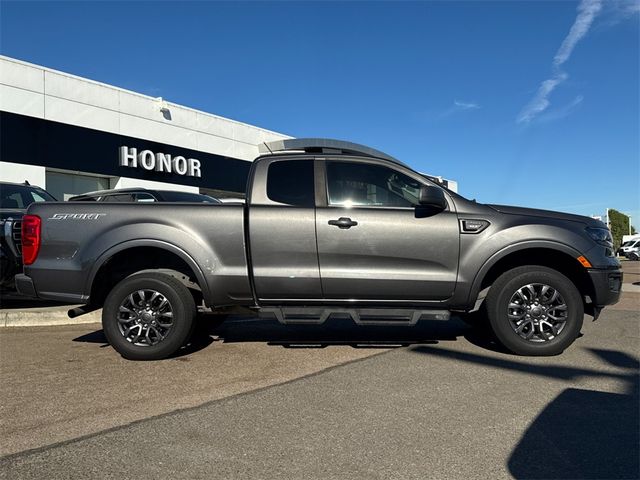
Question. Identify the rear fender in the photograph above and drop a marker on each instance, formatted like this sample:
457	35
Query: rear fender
204	286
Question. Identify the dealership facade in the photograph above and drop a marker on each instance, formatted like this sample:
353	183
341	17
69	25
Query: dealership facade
71	135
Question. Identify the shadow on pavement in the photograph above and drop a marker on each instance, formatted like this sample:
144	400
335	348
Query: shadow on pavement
581	433
335	332
198	343
332	332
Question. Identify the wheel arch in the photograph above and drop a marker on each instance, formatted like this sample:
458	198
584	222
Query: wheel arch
554	255
158	254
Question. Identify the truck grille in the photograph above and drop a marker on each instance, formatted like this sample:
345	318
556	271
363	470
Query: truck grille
16	235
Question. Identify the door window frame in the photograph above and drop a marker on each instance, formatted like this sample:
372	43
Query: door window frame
257	191
322	184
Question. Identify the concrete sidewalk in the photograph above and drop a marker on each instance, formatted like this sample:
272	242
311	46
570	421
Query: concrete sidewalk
44	316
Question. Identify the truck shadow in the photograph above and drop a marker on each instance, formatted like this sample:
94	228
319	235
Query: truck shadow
334	332
581	433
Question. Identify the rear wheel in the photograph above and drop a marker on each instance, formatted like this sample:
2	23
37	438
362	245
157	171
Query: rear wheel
148	316
534	310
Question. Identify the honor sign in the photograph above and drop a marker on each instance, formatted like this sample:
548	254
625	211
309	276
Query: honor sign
159	162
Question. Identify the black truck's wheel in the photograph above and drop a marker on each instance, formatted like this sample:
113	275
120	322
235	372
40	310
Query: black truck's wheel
148	316
534	310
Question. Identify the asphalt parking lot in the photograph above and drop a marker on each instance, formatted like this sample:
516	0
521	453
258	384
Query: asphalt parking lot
255	399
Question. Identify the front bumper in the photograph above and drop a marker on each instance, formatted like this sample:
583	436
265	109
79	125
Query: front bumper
607	286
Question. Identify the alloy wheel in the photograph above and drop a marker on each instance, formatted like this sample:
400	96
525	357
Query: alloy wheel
145	317
537	312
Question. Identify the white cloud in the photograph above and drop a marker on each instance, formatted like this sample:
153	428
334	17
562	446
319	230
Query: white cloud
562	111
540	102
465	105
618	11
458	107
587	12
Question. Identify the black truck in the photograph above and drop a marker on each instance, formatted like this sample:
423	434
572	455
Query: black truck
328	228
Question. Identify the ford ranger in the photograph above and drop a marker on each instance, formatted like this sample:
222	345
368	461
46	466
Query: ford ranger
328	228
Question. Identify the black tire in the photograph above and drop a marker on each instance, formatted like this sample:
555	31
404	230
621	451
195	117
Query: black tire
498	309
182	308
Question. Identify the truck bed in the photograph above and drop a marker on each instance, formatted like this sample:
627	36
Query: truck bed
210	238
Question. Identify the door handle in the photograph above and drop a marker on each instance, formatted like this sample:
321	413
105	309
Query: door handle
343	222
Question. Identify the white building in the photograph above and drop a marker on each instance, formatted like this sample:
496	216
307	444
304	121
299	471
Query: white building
72	135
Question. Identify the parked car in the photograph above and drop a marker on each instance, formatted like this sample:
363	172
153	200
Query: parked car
127	195
628	247
14	200
328	229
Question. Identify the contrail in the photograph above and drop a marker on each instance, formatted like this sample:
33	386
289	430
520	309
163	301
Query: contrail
587	11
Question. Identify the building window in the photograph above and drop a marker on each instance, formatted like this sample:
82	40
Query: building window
65	185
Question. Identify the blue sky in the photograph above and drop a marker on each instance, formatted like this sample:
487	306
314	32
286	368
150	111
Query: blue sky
527	103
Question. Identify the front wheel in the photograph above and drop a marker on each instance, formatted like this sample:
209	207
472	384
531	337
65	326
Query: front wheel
534	310
148	316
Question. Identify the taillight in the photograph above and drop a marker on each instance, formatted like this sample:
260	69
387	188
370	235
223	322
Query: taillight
31	225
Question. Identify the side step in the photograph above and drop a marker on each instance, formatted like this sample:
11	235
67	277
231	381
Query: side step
361	316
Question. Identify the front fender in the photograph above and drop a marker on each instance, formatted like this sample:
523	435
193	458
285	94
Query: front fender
526	245
479	253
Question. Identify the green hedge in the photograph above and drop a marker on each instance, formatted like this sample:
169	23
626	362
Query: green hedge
619	226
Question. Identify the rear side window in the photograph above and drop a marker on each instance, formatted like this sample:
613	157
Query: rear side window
291	182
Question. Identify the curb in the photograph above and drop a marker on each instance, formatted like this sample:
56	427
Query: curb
631	288
45	316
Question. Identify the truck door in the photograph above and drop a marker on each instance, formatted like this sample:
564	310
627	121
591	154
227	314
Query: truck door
375	244
282	230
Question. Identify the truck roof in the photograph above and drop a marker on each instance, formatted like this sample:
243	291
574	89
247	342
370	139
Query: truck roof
324	145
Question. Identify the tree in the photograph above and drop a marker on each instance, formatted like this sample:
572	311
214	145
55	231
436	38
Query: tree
619	226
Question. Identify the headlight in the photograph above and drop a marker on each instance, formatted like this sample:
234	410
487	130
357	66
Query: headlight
600	235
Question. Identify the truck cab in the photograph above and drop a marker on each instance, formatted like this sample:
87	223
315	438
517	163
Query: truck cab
350	228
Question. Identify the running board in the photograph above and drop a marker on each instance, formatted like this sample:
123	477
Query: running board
361	316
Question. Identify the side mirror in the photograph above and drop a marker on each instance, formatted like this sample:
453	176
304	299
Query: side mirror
431	196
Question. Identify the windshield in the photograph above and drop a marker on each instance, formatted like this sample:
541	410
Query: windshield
21	196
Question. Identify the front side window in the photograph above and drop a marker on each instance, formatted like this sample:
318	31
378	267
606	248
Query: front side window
291	182
362	184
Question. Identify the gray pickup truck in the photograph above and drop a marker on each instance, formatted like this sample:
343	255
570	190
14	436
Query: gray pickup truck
328	228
